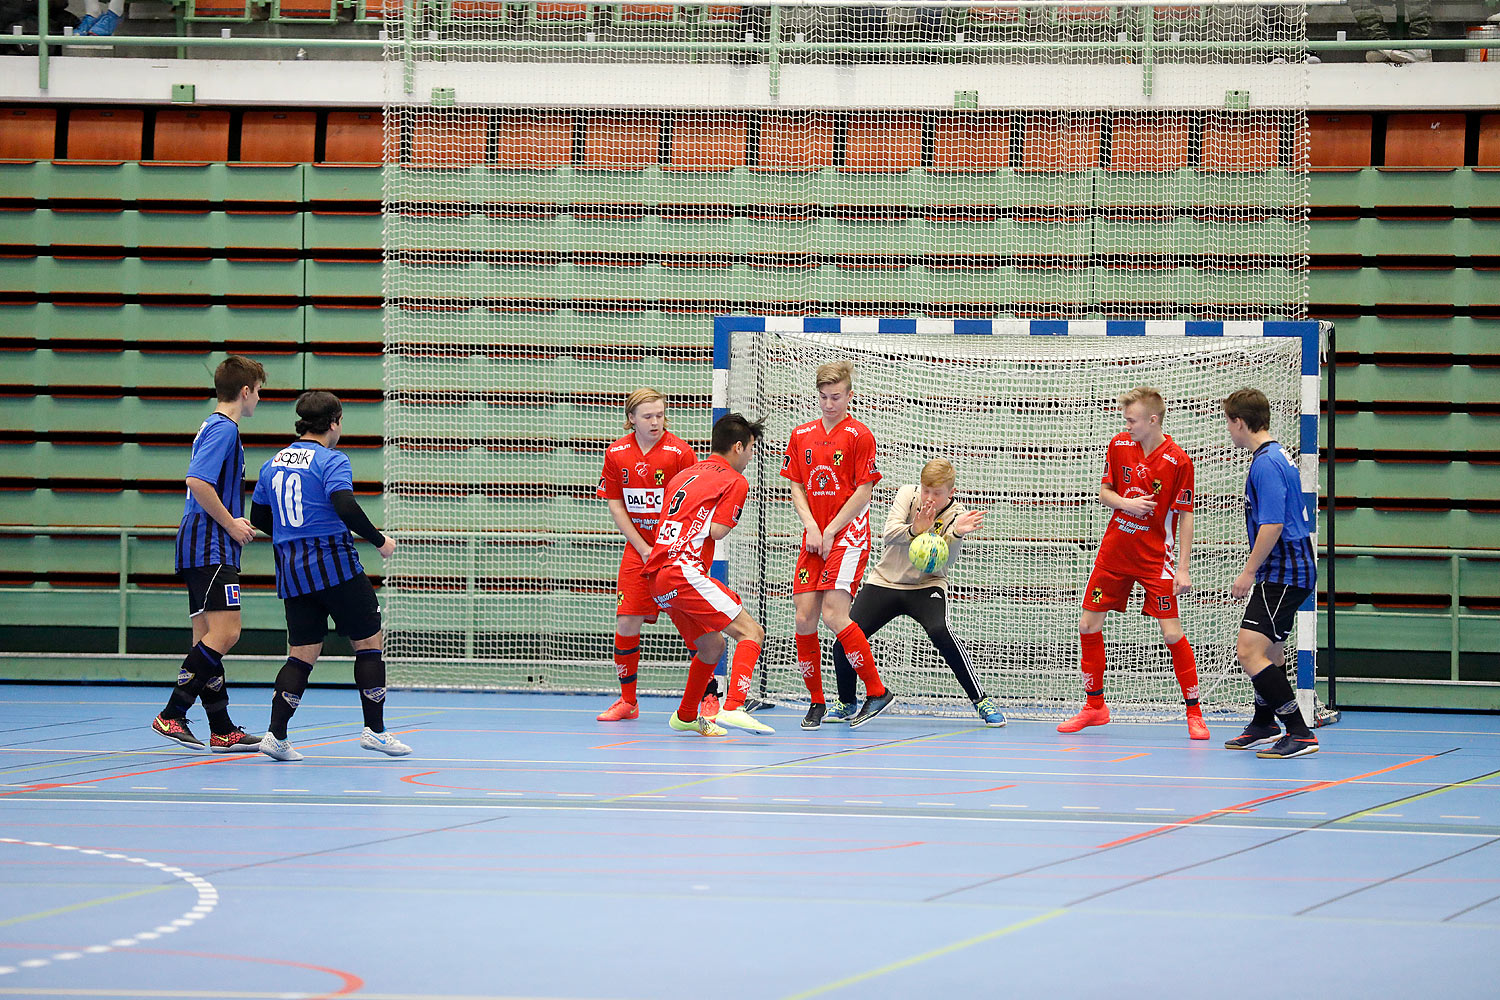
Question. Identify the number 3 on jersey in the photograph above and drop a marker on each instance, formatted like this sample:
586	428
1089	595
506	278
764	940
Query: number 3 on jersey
288	489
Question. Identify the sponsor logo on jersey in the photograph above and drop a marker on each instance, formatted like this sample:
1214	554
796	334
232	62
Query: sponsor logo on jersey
641	468
294	458
232	595
1185	497
639	501
664	601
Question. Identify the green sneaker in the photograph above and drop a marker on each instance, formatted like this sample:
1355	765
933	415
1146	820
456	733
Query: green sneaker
741	719
700	725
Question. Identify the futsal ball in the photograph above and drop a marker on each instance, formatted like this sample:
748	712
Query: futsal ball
929	553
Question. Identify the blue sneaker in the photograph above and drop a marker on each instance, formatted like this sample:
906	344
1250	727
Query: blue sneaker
105	24
840	711
83	26
989	712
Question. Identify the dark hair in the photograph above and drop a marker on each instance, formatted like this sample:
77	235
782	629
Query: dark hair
1251	406
732	429
317	411
235	374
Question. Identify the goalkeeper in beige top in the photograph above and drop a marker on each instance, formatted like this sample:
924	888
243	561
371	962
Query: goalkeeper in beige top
897	587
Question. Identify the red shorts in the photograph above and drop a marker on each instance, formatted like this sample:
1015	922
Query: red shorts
632	589
844	569
697	603
1108	591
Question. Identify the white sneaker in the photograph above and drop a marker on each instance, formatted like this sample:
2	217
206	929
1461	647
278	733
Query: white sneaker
277	749
741	719
384	742
1420	55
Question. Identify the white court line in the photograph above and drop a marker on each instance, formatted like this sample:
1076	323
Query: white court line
1155	809
149	788
1457	817
288	789
934	803
1080	807
376	791
215	788
1294	812
1008	805
883	817
847	802
208	898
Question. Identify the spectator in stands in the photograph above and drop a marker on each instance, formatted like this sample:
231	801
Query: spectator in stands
100	20
1371	25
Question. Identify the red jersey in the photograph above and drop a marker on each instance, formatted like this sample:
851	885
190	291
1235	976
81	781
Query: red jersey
1145	547
640	480
831	465
708	493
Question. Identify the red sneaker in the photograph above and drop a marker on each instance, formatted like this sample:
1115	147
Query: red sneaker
709	709
177	731
1197	728
620	711
234	741
1086	717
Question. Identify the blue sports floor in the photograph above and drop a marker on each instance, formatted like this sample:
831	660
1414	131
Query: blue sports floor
525	850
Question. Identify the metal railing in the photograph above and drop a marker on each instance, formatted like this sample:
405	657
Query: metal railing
1146	49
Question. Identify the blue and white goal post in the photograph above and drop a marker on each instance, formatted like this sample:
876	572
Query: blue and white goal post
1312	336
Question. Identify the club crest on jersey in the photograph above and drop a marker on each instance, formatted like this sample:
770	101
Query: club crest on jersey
802	575
838	457
232	595
641	468
1096	596
1155	486
661	477
619	598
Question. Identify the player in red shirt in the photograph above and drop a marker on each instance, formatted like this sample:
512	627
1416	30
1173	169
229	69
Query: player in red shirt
831	463
1148	482
637	469
704	503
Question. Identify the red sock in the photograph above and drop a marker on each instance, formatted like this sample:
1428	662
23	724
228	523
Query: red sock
857	649
627	659
698	675
1185	666
1092	646
810	663
746	655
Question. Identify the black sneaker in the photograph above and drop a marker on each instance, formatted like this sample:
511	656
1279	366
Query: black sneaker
177	731
814	717
872	707
1291	746
1254	736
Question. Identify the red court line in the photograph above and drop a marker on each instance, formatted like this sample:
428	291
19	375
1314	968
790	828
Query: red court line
1246	806
242	758
350	982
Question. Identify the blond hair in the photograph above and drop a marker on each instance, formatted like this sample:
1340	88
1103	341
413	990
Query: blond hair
834	372
637	398
938	472
1148	398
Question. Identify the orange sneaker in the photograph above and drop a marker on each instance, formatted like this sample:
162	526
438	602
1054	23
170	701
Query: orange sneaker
620	711
710	707
1197	728
1086	717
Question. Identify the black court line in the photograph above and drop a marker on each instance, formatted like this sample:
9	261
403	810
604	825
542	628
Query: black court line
50	725
1398	875
73	736
1468	909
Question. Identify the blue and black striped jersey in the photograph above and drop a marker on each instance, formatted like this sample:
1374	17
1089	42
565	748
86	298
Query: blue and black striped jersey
314	550
1273	495
219	460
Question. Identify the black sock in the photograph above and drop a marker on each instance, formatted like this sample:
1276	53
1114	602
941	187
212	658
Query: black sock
1263	716
291	681
369	677
197	667
215	698
1272	686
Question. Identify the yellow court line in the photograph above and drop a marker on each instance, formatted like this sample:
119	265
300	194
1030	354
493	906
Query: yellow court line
1416	798
946	949
73	907
771	767
257	995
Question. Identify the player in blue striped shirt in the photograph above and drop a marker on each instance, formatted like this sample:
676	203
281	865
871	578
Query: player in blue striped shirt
1279	575
304	499
209	539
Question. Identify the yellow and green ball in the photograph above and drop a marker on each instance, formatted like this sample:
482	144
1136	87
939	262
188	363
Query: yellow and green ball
929	553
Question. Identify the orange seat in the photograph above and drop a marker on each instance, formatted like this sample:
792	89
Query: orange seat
28	133
1240	143
882	144
1340	140
1434	141
219	8
317	10
647	12
1084	13
723	13
533	140
1489	141
278	136
475	9
1149	143
562	12
1063	143
707	141
113	134
449	139
621	141
383	9
354	137
795	141
972	143
997	15
191	136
